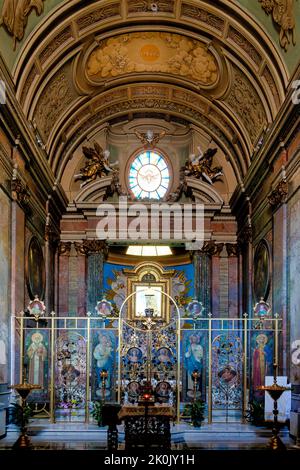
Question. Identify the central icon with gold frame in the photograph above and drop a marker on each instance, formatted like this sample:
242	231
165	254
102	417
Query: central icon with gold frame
149	282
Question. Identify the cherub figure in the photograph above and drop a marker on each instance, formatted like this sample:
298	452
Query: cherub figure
201	166
149	139
97	164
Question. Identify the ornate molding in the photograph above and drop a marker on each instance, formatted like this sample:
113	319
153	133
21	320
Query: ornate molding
279	194
283	14
64	248
143	6
246	103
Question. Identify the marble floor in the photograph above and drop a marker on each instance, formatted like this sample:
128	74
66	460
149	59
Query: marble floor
78	436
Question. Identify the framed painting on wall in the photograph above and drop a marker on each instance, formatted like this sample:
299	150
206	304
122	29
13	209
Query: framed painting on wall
261	271
35	269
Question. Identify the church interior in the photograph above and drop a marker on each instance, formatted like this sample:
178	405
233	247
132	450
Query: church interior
150	221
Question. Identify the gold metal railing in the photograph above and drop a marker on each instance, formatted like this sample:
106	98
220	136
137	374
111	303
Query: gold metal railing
243	326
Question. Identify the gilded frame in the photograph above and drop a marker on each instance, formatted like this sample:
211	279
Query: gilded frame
159	278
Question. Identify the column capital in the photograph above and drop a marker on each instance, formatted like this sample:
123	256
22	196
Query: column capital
232	249
19	190
64	248
93	246
212	248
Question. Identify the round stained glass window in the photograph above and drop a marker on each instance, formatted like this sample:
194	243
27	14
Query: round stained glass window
149	176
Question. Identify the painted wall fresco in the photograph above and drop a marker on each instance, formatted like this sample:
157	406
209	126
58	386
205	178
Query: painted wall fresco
193	358
261	360
104	357
36	361
115	285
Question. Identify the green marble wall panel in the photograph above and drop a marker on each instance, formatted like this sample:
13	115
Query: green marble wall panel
4	284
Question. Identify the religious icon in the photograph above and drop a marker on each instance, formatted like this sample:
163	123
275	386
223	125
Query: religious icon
70	375
162	391
37	355
36	308
164	356
261	361
134	355
193	360
195	308
262	309
227	375
104	355
35	269
103	308
133	389
147	298
261	271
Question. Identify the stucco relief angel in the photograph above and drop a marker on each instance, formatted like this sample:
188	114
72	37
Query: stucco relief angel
149	139
201	166
14	15
97	164
284	15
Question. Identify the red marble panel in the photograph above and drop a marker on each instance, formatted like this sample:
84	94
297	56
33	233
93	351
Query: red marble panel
233	286
63	285
215	286
81	297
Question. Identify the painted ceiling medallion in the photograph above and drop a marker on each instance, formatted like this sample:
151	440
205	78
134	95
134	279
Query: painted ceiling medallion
153	52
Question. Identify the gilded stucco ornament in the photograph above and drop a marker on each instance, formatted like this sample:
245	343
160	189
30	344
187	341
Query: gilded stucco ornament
283	14
153	52
14	15
149	139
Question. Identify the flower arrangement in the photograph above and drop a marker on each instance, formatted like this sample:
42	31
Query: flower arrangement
65	405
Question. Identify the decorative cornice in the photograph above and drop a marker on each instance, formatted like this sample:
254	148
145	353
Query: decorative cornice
279	194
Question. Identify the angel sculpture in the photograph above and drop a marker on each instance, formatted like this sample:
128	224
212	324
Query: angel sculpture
97	164
201	166
149	139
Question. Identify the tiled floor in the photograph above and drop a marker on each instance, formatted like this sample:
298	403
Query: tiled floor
216	436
